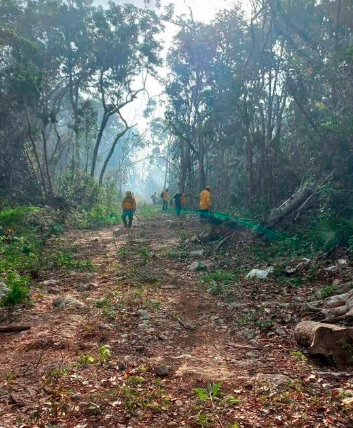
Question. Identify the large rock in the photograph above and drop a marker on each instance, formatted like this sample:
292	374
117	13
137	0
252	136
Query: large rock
68	302
273	381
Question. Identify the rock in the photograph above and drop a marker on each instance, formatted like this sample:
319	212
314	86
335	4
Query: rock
4	289
197	266
236	305
331	269
260	274
168	287
277	381
140	349
53	290
69	302
121	366
343	262
252	355
162	371
342	288
87	287
50	282
280	332
143	314
249	335
290	270
190	326
197	253
214	318
162	337
77	396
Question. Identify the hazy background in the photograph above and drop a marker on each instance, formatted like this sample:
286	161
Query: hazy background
202	10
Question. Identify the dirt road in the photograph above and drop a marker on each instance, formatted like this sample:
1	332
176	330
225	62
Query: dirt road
124	339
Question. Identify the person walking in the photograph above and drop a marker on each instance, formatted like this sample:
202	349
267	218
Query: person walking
205	203
183	201
154	198
165	199
129	208
178	205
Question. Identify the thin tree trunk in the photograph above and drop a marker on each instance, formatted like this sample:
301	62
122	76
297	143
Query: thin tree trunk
110	154
103	124
34	147
46	163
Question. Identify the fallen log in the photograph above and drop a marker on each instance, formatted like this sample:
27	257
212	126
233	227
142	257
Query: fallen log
14	328
222	242
290	205
332	341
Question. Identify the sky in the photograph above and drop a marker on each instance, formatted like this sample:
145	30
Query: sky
203	10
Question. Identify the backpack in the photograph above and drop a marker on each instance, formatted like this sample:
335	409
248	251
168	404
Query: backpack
162	194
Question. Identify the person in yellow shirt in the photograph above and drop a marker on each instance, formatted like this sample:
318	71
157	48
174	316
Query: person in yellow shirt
205	202
183	201
165	199
129	208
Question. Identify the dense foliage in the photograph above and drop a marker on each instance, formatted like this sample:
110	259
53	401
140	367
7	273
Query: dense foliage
67	70
258	108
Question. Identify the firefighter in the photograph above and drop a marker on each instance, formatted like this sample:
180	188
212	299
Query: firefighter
129	208
205	203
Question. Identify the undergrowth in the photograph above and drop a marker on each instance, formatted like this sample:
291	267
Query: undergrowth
24	232
218	282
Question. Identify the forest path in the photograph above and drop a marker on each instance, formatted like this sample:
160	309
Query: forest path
166	334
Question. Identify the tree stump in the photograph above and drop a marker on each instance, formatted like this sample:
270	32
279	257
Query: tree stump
333	341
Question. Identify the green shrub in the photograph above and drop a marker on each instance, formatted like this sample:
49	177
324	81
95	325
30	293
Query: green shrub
18	253
16	217
332	232
15	290
219	281
327	291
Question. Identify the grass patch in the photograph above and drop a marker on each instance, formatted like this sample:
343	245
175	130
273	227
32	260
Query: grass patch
219	281
327	291
68	261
